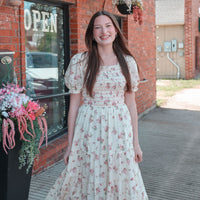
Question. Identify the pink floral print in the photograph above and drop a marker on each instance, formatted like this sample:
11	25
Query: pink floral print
101	164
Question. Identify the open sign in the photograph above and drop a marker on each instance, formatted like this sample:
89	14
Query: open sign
46	21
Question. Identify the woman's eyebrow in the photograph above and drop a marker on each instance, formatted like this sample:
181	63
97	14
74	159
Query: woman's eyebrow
101	24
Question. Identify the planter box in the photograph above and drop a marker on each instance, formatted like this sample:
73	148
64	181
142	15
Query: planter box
14	182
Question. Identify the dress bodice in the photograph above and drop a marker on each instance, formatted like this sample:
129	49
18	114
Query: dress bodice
108	89
110	84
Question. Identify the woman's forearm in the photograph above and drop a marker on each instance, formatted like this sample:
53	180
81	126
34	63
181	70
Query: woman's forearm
131	104
72	115
134	121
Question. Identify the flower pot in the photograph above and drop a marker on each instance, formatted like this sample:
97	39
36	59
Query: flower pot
124	9
14	182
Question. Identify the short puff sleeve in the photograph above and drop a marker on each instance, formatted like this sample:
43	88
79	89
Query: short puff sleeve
133	70
74	77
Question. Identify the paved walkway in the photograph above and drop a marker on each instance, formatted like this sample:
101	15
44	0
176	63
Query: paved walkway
170	138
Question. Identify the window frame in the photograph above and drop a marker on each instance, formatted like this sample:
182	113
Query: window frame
66	29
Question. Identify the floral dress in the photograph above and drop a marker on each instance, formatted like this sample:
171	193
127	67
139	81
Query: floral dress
102	162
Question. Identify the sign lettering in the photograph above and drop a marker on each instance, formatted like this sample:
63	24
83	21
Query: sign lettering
35	19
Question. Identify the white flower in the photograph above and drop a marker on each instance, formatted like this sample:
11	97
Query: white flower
5	114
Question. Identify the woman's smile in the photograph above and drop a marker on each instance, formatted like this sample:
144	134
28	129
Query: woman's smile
104	37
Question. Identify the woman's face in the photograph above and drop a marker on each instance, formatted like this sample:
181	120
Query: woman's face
104	31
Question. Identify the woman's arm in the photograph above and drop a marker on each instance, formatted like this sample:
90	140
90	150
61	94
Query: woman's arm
131	104
75	101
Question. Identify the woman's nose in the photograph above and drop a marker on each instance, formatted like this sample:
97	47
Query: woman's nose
103	30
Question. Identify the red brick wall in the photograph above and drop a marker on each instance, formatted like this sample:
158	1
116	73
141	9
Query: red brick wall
141	40
12	35
191	32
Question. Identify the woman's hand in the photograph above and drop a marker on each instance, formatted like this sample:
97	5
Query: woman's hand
66	156
138	154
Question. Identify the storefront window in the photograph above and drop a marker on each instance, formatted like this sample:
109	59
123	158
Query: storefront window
44	40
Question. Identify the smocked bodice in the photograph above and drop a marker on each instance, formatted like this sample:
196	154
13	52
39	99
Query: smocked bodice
108	89
110	84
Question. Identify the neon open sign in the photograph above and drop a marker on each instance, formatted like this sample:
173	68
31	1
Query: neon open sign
35	20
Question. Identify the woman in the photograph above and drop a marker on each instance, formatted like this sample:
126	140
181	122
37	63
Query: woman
103	149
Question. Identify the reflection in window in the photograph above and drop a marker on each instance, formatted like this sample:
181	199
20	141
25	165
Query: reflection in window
45	59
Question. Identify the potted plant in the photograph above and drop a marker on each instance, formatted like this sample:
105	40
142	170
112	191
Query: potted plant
23	128
127	7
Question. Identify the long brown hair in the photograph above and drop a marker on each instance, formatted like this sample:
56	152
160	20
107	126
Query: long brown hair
93	63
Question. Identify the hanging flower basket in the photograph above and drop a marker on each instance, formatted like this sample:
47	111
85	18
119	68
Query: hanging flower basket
127	7
124	9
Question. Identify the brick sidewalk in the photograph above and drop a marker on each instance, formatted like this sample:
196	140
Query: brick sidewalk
42	182
170	140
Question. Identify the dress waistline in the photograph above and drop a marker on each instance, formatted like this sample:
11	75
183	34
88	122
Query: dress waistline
104	103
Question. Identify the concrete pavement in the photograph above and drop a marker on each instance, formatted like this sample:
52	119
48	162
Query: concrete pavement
170	138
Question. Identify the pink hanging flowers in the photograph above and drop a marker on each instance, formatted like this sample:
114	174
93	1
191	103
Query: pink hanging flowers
19	112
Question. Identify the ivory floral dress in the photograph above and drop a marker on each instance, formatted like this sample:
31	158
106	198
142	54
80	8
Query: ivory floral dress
101	164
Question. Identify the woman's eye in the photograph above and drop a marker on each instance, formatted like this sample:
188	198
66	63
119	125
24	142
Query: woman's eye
96	27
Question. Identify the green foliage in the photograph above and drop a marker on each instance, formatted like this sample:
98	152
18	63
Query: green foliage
168	88
48	43
160	102
128	2
29	150
172	86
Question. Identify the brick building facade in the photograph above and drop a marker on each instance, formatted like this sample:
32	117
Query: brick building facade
77	13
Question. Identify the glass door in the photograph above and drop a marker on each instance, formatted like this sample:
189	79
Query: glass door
44	42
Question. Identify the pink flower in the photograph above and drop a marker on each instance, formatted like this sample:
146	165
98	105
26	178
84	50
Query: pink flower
32	106
74	170
106	129
115	168
80	158
18	112
120	117
124	171
114	132
31	115
102	174
114	103
100	139
116	188
79	180
98	190
96	157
